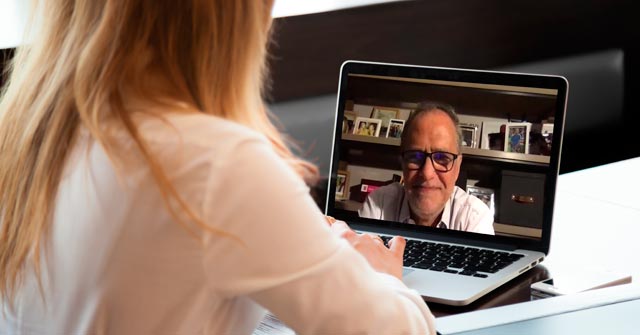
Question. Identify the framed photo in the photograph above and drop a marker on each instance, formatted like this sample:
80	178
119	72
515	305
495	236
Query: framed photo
342	184
384	114
348	122
367	126
516	137
490	131
469	135
396	126
484	194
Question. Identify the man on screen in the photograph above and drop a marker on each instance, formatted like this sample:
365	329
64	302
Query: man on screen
430	149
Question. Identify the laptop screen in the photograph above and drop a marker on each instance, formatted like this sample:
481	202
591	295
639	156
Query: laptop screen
449	152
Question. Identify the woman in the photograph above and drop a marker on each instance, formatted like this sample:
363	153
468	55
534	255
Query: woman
372	129
143	189
362	128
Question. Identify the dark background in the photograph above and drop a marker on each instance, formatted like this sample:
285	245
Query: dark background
479	34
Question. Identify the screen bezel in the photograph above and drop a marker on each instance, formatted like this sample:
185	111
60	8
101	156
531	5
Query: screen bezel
558	83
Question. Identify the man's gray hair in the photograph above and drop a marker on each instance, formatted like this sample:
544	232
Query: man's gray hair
427	107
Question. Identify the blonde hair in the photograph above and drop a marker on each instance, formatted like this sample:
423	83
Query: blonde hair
73	74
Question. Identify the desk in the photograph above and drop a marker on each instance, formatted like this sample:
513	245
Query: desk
596	223
597	218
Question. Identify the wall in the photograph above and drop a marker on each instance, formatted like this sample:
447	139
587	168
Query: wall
479	34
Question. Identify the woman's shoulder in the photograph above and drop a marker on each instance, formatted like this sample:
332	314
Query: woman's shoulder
197	140
196	129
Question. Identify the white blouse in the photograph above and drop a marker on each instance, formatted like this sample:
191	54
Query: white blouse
116	262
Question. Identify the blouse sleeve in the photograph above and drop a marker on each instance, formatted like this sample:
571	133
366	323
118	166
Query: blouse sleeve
288	260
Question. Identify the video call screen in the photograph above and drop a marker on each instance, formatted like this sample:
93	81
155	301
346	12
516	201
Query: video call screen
506	145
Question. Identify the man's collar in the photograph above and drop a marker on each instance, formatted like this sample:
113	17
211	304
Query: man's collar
445	218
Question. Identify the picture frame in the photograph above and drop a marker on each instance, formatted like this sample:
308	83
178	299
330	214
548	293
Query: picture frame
469	135
342	185
348	122
384	114
396	126
365	126
489	130
487	195
516	137
546	129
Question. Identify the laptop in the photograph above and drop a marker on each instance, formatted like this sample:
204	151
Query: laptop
514	176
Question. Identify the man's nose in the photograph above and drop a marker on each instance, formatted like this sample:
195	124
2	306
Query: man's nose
428	170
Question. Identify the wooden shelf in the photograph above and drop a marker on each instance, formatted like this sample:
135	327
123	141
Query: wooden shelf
372	139
526	158
485	153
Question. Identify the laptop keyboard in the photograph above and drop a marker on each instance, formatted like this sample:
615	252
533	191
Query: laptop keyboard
455	259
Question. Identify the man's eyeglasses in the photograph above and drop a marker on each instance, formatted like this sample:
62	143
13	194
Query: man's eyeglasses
415	159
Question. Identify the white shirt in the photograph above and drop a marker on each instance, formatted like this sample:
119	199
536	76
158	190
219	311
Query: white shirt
462	211
117	262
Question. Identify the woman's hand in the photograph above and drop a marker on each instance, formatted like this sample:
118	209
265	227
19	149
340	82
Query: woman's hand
372	247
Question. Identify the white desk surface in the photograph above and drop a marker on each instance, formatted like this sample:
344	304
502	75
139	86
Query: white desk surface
597	218
596	224
611	310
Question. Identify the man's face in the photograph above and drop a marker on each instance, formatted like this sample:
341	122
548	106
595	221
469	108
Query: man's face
428	189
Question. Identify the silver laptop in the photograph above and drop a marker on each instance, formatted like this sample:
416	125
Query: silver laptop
511	126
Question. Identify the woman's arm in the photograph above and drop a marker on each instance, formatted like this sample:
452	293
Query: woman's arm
292	263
